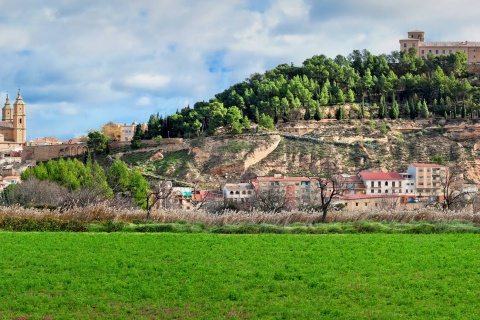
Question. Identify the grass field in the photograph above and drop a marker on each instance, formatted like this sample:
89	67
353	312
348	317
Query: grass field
212	276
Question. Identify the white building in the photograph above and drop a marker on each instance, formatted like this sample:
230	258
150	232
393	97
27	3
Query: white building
382	182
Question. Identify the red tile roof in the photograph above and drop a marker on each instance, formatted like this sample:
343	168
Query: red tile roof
380	175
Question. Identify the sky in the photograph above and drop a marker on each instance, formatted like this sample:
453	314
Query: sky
83	63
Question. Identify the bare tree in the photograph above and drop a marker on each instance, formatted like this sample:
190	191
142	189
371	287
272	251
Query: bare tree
161	192
273	200
197	200
328	187
39	194
453	194
388	203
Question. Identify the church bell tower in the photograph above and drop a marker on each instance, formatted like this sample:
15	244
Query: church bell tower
19	120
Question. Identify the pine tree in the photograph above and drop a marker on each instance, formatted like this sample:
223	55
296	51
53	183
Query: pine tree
350	96
361	112
394	111
137	137
256	114
424	109
318	114
407	108
306	116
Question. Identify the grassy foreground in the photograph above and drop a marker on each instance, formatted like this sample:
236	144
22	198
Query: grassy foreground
213	276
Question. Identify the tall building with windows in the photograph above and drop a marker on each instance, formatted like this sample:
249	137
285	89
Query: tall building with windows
429	179
416	39
13	127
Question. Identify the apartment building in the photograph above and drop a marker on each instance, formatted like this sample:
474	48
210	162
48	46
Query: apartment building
416	39
382	182
428	179
239	192
350	184
298	190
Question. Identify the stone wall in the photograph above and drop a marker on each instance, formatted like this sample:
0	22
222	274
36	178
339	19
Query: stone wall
44	153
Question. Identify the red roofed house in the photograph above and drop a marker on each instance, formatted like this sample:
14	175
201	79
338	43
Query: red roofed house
382	182
350	184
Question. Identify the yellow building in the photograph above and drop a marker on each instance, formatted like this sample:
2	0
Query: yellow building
13	127
416	39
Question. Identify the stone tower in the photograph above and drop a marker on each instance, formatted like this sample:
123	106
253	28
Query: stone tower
19	120
7	112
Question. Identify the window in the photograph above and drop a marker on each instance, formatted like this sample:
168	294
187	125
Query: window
386	191
443	51
372	191
372	184
436	51
405	45
450	51
423	51
244	192
420	177
379	184
413	45
379	191
356	204
420	170
366	204
429	51
428	170
420	184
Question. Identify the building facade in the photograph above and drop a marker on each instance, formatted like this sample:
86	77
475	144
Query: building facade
416	39
382	182
13	127
298	190
428	179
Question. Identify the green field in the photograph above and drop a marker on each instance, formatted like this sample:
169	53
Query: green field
211	276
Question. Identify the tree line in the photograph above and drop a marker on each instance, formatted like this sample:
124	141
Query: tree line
384	86
70	182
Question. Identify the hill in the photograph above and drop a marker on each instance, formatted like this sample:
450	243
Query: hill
294	148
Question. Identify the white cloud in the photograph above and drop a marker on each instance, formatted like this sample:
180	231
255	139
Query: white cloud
146	81
143	101
83	63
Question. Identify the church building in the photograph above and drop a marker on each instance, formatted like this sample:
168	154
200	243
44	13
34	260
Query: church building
13	127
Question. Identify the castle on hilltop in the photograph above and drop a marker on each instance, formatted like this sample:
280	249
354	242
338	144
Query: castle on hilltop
13	127
416	39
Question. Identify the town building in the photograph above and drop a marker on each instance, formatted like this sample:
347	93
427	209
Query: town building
429	179
298	190
416	39
127	131
350	184
367	202
13	127
243	192
382	182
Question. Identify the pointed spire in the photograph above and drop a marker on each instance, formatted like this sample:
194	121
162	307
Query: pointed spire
7	103
19	96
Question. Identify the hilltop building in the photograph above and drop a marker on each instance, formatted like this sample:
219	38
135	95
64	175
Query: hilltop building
416	39
13	127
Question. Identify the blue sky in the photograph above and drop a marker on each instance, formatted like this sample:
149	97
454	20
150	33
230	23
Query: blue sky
83	63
